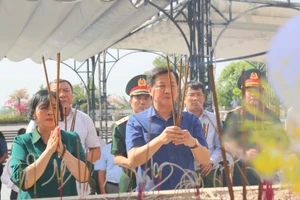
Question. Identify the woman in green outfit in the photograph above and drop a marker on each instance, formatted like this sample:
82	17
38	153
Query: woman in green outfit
39	156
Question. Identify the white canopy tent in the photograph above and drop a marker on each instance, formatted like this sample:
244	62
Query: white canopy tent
80	29
247	35
77	29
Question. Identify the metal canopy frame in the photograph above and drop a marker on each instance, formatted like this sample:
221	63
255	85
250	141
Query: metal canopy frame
197	15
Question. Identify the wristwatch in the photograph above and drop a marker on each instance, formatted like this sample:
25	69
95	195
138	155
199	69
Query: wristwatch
196	145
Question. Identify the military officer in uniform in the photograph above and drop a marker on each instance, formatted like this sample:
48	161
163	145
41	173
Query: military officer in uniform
244	123
140	100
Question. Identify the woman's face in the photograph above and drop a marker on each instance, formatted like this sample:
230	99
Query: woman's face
43	114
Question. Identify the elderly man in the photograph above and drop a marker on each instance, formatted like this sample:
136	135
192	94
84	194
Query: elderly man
84	126
251	120
194	101
152	134
140	100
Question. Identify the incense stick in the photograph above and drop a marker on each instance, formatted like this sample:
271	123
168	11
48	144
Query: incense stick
49	92
171	91
187	69
78	158
244	172
65	118
73	119
90	169
215	100
178	93
57	86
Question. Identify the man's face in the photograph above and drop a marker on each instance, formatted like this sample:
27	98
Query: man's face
65	93
160	91
194	100
140	102
252	95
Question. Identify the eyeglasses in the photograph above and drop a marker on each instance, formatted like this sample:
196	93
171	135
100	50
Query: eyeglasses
195	95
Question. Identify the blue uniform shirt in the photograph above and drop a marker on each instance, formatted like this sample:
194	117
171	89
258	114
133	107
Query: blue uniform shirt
3	147
137	131
106	163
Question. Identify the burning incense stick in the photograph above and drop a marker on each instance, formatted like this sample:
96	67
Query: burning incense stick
73	119
178	93
215	100
48	88
171	91
177	117
57	87
78	158
187	69
244	172
65	118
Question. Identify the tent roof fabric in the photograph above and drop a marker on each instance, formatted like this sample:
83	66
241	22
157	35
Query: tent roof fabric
80	29
76	29
247	35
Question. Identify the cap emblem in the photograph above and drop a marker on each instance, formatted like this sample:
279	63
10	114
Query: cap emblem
253	75
141	82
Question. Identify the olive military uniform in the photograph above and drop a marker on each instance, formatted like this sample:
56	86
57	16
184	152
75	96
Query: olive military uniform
127	180
266	124
259	124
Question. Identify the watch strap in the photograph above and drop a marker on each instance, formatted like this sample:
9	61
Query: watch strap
196	145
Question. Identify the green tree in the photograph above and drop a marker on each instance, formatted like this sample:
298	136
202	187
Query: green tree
42	87
258	65
80	97
162	62
227	83
173	59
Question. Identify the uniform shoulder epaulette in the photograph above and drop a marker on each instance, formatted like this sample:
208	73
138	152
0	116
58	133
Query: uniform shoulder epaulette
121	121
235	109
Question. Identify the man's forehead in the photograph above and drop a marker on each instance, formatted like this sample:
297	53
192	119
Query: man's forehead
191	90
165	80
62	85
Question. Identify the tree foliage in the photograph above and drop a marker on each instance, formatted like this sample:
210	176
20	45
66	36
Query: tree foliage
80	97
174	61
227	83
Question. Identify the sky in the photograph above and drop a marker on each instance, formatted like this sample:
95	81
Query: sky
30	75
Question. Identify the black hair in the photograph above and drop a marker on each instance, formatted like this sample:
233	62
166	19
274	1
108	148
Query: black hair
195	85
151	75
21	131
1	135
62	81
42	97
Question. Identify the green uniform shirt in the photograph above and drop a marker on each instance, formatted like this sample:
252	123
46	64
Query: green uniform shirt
260	129
265	126
29	147
118	146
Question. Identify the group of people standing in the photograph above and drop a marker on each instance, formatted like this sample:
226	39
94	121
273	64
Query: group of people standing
148	151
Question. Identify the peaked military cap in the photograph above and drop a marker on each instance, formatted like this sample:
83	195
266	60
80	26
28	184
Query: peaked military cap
137	85
253	78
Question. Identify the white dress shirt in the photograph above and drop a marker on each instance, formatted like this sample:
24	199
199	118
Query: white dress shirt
213	140
6	175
